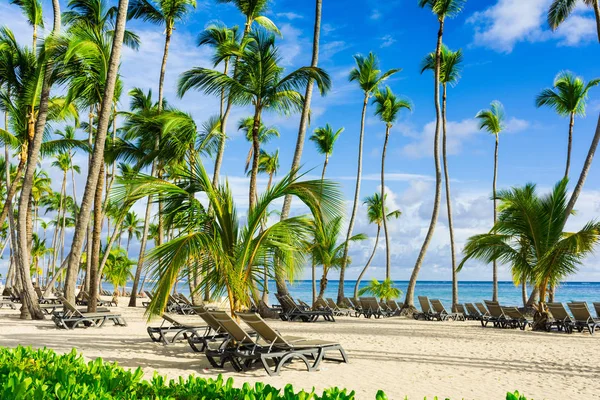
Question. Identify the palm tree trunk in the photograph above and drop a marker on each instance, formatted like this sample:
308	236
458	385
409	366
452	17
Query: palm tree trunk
571	125
340	296
596	6
362	273
255	157
495	264
410	291
98	154
388	272
221	150
524	290
12	186
143	242
323	284
31	307
449	203
96	238
304	120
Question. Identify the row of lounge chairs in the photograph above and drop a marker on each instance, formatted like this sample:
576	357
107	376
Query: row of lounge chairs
223	341
434	310
71	317
580	320
177	303
290	310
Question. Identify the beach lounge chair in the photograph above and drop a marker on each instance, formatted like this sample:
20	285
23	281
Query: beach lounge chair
72	317
426	311
85	300
171	326
472	312
514	318
583	318
560	318
370	307
199	340
7	303
460	308
394	307
290	311
176	305
336	309
292	347
597	308
352	304
441	314
149	296
495	315
484	311
45	300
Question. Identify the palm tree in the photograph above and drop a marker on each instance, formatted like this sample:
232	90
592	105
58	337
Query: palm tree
384	290
369	77
265	134
259	82
387	107
449	75
493	121
559	11
375	215
133	226
442	9
568	98
32	9
529	235
97	160
324	139
118	268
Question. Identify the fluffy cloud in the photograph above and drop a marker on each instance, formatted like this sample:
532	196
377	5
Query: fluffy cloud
387	41
508	22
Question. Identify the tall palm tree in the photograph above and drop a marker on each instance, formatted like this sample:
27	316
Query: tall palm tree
324	139
259	82
493	121
442	9
32	9
97	160
133	226
369	77
383	290
387	107
449	75
265	134
529	233
559	11
118	268
568	98
375	216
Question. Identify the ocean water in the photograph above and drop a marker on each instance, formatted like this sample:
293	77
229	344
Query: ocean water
468	292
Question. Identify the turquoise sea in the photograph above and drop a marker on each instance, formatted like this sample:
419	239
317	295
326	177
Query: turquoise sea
468	292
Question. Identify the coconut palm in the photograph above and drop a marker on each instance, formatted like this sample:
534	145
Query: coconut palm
493	121
97	160
32	9
265	134
38	251
118	268
230	256
384	290
375	216
529	235
558	13
568	98
133	226
387	107
260	82
324	139
442	9
369	77
449	75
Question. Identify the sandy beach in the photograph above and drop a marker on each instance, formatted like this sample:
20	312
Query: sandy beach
401	356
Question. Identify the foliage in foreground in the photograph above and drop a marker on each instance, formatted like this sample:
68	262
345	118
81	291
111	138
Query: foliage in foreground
41	374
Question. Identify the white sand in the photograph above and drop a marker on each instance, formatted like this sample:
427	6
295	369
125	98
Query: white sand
401	356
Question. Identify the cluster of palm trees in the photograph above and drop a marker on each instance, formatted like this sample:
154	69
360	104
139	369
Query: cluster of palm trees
154	154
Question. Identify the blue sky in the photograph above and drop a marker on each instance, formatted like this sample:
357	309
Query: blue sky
509	55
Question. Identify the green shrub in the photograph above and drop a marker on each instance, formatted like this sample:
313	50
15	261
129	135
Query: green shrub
42	374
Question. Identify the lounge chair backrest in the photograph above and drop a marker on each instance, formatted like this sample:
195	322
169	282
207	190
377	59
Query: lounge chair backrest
558	311
512	312
287	303
331	304
461	309
597	308
70	308
481	308
393	305
580	311
494	308
303	304
369	303
438	306
207	317
232	327
424	302
472	310
263	330
149	294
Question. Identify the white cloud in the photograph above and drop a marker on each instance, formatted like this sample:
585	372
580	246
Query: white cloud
290	15
387	41
375	15
508	22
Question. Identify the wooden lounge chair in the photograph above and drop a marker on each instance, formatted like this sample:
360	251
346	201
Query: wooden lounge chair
597	308
72	317
484	311
293	347
179	330
496	316
462	310
353	305
336	309
426	311
583	318
514	318
290	311
394	307
370	307
441	314
560	318
472	312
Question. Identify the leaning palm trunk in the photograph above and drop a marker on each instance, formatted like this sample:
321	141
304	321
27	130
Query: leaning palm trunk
97	231
340	296
12	187
410	291
571	125
495	265
255	158
143	243
304	120
98	154
449	205
30	307
388	272
362	273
